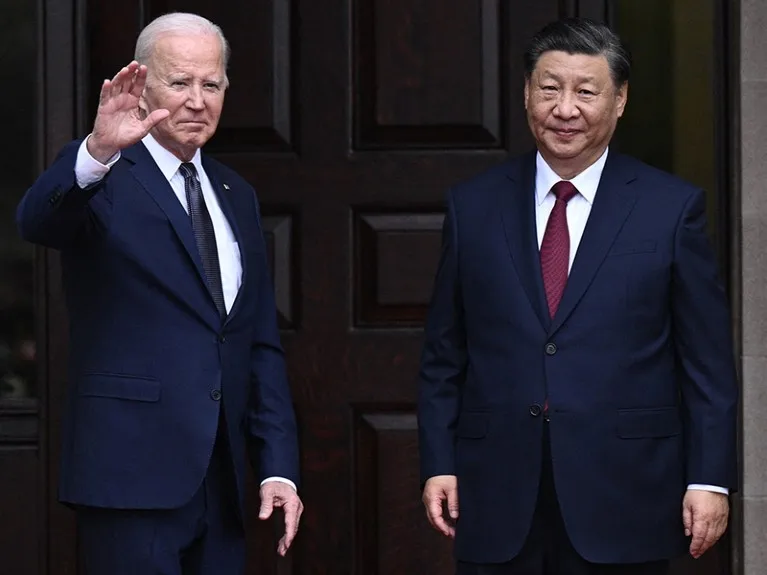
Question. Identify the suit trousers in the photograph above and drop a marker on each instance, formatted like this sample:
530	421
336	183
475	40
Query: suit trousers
547	549
203	537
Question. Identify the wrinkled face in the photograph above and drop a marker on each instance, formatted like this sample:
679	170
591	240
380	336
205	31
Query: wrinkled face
572	108
185	76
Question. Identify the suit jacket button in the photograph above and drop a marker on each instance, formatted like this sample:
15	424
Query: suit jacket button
215	395
222	339
535	410
551	349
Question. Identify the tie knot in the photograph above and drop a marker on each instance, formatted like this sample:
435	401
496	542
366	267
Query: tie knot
564	191
187	170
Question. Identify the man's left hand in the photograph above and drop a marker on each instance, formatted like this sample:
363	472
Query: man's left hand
704	514
279	494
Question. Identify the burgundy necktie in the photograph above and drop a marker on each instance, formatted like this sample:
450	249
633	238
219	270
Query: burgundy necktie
555	247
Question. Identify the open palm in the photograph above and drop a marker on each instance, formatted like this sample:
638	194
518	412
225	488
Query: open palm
119	122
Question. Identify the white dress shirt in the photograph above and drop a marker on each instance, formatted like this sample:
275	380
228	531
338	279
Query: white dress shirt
578	210
89	171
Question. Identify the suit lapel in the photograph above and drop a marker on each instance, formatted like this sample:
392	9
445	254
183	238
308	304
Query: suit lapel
145	170
613	203
221	190
517	207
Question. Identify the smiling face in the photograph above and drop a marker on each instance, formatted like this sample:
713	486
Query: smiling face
186	76
573	108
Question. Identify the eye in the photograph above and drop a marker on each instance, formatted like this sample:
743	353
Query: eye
211	86
178	83
586	92
549	88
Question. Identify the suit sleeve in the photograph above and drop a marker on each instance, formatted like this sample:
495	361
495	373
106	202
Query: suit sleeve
443	360
272	433
704	346
56	210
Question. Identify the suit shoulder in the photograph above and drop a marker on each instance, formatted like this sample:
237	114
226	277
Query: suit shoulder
488	180
227	174
658	180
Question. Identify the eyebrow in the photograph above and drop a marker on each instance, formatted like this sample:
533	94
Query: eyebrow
581	80
186	76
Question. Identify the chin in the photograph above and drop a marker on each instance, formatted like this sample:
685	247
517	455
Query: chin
562	153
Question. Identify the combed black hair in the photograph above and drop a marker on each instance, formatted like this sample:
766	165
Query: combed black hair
580	36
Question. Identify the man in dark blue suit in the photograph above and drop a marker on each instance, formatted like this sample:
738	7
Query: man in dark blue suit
176	368
577	397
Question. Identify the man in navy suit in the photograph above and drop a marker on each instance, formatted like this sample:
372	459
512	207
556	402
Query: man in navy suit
176	368
577	397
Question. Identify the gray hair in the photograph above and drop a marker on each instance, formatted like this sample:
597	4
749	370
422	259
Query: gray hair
177	23
581	36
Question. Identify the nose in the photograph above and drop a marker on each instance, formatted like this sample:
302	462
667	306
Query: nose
566	107
196	99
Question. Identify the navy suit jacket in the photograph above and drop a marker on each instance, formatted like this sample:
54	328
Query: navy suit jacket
637	364
151	362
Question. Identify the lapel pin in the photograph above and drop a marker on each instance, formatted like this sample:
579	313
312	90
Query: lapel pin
226	186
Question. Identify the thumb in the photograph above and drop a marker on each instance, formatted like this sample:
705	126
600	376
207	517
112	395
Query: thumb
687	520
452	503
267	505
155	118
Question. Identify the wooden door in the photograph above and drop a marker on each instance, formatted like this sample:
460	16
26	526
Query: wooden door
351	118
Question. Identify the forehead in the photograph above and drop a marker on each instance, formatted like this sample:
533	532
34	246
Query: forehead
566	66
188	53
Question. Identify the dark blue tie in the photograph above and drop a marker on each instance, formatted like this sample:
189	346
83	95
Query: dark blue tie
204	235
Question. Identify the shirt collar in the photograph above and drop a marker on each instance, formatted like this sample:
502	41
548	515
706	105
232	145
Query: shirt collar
586	182
165	160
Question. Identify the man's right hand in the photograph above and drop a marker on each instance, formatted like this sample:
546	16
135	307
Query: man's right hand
119	121
438	489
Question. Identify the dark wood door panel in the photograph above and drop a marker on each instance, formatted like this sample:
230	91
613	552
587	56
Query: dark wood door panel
20	503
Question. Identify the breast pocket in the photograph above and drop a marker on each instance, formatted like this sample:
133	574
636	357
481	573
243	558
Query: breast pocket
627	248
646	273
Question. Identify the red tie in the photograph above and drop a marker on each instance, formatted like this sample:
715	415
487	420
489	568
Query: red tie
555	247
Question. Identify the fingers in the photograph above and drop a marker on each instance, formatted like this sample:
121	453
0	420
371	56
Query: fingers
705	534
130	79
155	118
452	503
699	537
106	91
123	77
438	490
139	81
293	511
434	514
705	516
276	494
267	506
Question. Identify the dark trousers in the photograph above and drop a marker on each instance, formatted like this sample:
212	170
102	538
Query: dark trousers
203	537
548	550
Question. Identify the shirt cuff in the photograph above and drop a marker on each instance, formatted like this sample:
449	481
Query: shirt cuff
712	488
281	480
89	171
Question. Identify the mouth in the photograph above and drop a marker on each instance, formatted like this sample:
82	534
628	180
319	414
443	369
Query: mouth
565	132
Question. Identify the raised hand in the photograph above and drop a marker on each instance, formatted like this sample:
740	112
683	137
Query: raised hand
119	122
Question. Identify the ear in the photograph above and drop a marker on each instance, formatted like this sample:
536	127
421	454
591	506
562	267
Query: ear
527	91
142	105
622	97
